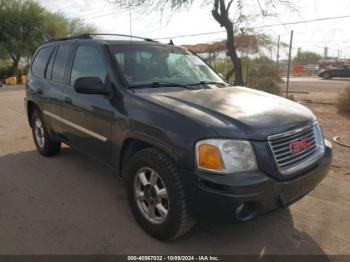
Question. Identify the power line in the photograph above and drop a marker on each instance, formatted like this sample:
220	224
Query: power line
262	26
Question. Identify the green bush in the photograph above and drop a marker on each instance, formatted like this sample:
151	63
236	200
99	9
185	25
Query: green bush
265	77
5	73
344	101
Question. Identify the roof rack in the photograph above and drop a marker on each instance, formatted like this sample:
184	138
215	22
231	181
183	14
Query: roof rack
91	36
69	38
122	35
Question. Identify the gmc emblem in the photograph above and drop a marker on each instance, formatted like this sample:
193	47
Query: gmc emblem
299	146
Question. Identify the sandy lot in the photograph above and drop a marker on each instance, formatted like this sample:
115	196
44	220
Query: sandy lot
69	204
314	89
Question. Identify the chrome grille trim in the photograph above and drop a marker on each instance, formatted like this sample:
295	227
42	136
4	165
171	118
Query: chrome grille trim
286	162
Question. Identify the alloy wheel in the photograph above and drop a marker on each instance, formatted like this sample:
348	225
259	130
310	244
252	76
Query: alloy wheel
151	195
39	133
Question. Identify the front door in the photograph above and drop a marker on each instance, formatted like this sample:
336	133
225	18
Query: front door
87	118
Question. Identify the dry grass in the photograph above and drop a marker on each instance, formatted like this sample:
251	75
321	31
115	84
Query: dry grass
344	101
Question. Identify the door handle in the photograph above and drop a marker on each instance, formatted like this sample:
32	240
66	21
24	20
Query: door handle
39	91
68	100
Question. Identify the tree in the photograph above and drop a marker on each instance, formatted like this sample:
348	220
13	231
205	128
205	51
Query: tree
20	28
4	59
221	13
77	27
305	58
57	25
264	46
25	25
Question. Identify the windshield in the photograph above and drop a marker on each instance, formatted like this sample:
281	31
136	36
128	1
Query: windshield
148	64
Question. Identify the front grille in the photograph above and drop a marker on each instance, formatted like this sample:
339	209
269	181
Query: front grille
289	162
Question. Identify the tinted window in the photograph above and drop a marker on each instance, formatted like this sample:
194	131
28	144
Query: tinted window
49	66
40	62
88	63
60	63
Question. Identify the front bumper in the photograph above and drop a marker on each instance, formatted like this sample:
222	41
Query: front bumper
223	194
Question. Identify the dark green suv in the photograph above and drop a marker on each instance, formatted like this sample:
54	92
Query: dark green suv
186	143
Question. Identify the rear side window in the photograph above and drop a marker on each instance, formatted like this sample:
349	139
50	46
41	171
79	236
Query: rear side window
88	63
40	61
60	63
49	66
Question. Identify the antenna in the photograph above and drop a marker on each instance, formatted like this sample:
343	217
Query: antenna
131	39
130	19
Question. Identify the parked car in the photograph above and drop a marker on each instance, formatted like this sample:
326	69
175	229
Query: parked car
343	71
186	143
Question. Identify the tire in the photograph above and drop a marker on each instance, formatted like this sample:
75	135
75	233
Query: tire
327	76
45	145
178	220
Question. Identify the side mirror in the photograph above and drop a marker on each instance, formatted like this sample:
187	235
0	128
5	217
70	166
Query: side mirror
90	85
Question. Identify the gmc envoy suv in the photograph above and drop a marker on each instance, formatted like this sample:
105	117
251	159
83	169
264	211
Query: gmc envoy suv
186	143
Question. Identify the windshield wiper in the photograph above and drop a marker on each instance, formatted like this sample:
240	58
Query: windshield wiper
208	83
158	84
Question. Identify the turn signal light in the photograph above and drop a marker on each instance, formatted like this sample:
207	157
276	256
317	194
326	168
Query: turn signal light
209	157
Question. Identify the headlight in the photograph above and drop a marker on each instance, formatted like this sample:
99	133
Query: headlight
225	156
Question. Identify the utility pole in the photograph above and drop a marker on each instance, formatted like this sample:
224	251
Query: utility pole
289	61
278	53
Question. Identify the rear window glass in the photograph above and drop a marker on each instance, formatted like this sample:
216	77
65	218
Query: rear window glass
40	61
49	66
60	63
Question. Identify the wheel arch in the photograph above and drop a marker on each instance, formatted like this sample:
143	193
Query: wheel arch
31	106
132	145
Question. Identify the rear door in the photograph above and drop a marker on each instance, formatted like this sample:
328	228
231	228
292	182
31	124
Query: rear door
37	83
88	117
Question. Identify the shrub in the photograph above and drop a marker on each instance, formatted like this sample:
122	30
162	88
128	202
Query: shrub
292	97
6	72
344	101
265	77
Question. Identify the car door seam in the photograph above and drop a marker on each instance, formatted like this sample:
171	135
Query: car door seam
78	127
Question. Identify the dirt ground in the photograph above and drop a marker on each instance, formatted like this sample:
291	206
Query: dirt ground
314	89
69	204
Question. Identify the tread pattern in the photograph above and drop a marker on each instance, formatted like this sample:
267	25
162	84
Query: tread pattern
186	219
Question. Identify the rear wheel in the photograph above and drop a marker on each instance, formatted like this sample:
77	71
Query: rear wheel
156	195
43	142
327	76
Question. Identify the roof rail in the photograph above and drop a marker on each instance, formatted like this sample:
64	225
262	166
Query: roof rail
90	36
69	38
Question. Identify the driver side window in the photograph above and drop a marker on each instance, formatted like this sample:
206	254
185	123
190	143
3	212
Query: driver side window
88	63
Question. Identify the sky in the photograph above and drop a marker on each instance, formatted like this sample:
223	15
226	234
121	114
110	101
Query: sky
334	34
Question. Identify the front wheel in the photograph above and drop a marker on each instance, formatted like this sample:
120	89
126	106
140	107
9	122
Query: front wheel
43	142
156	195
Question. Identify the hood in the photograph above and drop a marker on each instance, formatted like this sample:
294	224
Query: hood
236	112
